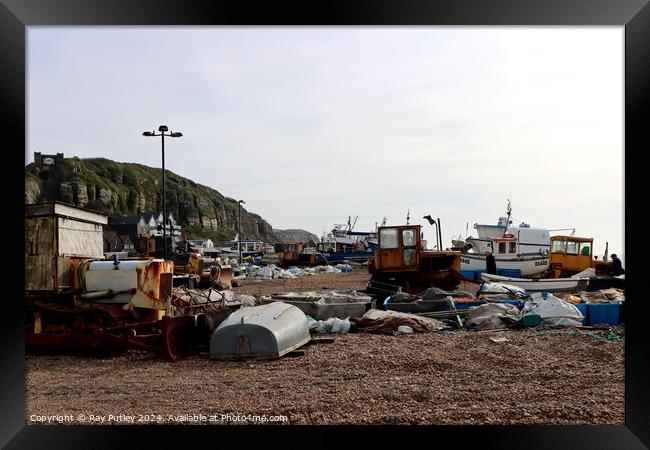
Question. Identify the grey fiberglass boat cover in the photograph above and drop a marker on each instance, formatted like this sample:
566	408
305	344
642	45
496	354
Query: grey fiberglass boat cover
260	332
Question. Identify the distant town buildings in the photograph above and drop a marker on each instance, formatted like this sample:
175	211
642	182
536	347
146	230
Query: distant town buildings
114	242
147	224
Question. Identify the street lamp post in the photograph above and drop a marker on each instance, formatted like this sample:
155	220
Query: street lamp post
239	230
163	129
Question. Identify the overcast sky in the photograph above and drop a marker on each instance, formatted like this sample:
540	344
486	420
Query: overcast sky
311	125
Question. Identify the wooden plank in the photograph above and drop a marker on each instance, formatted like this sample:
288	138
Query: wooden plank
453	308
39	253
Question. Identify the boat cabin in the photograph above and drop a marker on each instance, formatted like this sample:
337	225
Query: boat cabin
402	260
398	247
570	254
329	247
506	245
401	248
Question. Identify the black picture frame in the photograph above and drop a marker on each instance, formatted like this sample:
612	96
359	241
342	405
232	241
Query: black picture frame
634	15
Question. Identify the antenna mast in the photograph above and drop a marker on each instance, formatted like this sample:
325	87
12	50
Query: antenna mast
509	212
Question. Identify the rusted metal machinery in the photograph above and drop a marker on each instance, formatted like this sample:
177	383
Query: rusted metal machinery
108	304
76	300
402	263
570	255
293	254
128	304
208	273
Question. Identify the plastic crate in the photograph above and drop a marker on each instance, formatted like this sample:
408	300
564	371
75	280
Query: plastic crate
583	308
607	313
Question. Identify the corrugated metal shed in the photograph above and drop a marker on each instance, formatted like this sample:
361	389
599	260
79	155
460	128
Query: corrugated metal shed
55	232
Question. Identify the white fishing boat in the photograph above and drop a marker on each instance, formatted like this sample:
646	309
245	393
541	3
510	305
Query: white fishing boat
524	264
515	248
541	285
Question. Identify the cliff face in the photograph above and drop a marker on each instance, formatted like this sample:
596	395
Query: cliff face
293	235
125	189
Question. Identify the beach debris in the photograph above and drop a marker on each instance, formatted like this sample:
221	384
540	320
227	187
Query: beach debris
331	325
387	322
499	288
249	271
553	311
492	316
497	291
611	295
571	298
404	329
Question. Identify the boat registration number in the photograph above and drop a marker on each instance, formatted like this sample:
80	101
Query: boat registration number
541	263
464	260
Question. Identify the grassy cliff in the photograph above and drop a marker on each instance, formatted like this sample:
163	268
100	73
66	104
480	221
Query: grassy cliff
124	189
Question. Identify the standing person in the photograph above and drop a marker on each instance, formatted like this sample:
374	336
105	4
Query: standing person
490	263
617	266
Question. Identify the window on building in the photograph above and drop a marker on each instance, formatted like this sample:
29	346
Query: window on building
388	238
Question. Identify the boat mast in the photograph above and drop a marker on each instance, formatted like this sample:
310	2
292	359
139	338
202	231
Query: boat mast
509	212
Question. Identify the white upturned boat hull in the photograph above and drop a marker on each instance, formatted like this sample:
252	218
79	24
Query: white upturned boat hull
527	264
542	285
